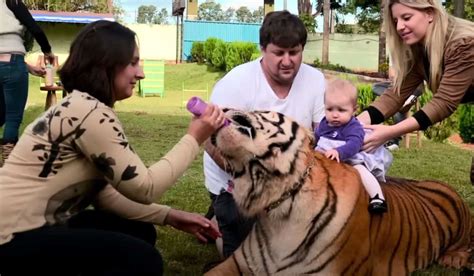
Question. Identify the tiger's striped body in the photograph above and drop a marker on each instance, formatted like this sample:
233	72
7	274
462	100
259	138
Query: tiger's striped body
312	212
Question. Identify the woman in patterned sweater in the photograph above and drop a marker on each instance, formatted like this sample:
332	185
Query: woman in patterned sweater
76	154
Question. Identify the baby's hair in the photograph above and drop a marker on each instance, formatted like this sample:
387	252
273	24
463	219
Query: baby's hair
339	85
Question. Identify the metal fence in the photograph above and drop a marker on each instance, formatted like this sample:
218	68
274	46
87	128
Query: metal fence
227	31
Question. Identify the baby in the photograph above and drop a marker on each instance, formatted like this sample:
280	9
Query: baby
340	137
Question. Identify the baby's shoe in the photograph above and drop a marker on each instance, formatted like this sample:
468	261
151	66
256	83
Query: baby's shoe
377	205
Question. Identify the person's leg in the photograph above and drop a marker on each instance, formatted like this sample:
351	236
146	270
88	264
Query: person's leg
60	250
15	89
233	226
2	102
93	219
377	202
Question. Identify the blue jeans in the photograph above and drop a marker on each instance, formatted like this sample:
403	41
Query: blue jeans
13	96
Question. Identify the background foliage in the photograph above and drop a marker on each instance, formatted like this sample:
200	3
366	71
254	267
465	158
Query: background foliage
223	55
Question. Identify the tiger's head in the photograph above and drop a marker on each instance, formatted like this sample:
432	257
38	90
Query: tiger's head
266	153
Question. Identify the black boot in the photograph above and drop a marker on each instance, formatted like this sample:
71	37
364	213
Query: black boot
377	205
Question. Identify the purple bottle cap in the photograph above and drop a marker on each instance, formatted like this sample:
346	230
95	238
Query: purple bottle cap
196	106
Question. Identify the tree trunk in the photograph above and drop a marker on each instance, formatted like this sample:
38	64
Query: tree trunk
305	7
110	6
325	55
382	41
458	8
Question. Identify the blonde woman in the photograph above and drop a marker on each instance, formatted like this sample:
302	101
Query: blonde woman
426	44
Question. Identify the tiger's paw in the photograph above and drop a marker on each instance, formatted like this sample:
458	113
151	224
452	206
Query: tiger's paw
454	259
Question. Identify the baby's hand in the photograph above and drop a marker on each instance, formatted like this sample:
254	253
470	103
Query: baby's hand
332	154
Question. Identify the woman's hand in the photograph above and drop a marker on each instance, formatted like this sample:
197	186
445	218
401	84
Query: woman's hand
36	70
378	135
203	126
49	58
192	223
382	133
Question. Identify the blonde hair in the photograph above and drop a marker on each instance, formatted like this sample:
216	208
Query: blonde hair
440	32
339	85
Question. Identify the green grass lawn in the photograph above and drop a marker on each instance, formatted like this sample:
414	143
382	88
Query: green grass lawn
153	125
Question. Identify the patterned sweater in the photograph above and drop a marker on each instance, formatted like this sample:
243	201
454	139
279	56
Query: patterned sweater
77	154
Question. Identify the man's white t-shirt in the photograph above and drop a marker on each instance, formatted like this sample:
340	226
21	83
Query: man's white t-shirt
246	88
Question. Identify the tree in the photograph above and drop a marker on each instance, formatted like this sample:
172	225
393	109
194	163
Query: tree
210	11
161	17
369	19
258	15
468	8
458	8
325	55
305	13
243	14
99	6
382	66
146	14
305	7
229	14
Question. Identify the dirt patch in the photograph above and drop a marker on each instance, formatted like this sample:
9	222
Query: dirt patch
456	140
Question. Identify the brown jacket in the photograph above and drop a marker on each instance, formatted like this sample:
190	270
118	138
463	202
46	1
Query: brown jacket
456	85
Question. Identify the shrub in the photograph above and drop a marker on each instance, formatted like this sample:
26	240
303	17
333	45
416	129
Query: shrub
239	52
441	131
344	28
255	55
232	57
466	123
218	55
365	96
384	67
197	52
330	66
309	22
209	46
247	49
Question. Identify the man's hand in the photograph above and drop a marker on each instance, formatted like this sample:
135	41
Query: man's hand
332	154
192	223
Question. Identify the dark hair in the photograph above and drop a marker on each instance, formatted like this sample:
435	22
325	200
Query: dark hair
100	50
283	29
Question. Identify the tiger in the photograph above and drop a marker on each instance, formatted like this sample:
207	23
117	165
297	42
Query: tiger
312	213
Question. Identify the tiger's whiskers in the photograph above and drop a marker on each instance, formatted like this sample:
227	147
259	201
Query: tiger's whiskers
248	129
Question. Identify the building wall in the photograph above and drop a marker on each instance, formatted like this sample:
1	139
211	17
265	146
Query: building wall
60	36
354	51
155	41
